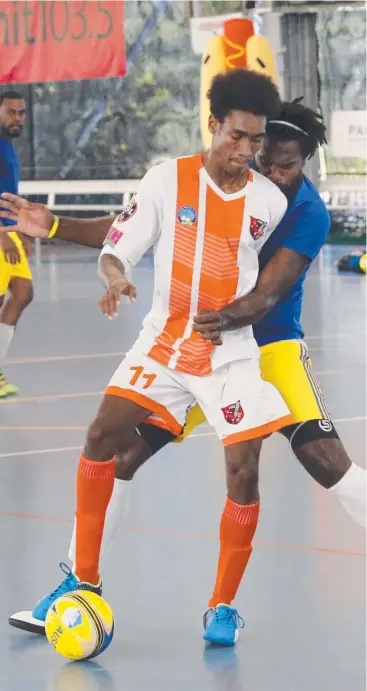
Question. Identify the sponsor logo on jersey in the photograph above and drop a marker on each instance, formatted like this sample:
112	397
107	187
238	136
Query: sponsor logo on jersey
325	425
186	215
233	413
257	227
128	211
113	237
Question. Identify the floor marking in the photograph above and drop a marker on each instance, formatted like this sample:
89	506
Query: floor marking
62	449
62	358
44	428
38	452
49	397
322	336
190	534
61	396
90	356
334	350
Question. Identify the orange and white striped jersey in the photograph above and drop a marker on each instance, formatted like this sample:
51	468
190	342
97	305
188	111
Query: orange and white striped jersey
205	244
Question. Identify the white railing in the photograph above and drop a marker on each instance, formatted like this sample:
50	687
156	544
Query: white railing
338	192
343	193
54	188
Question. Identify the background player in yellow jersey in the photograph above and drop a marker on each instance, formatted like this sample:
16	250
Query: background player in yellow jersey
15	274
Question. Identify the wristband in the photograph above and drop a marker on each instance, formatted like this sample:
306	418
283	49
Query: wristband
54	228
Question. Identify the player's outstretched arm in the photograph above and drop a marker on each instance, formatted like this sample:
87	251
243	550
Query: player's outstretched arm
36	221
112	272
274	281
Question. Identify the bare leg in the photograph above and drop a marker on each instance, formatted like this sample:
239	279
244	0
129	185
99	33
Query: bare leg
239	519
327	461
20	296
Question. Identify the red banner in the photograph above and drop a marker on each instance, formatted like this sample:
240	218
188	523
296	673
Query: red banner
61	40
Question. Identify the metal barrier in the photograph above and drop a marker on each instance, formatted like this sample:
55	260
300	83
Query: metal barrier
57	188
54	188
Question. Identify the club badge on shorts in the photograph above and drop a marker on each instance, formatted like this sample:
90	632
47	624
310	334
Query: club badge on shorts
257	227
233	413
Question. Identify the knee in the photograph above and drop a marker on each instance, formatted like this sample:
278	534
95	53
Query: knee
27	295
131	456
242	466
96	431
325	460
22	293
125	466
243	470
101	441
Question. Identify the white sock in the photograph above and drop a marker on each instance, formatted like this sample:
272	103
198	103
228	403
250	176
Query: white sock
115	516
351	492
6	335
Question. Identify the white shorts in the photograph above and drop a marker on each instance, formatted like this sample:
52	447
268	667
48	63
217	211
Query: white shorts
235	400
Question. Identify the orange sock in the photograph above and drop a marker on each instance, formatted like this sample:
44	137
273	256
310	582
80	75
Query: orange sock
237	529
94	488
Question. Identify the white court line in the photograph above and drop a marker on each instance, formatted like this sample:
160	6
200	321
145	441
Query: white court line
322	336
331	350
91	356
192	436
61	358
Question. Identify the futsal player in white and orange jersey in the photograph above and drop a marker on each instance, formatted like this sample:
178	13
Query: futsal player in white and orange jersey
283	259
206	217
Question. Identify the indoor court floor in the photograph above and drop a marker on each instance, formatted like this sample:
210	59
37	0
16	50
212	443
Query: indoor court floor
303	596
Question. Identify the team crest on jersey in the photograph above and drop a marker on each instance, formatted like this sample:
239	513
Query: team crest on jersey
128	212
186	215
257	227
233	413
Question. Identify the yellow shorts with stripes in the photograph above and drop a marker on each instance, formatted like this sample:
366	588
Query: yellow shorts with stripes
287	365
9	271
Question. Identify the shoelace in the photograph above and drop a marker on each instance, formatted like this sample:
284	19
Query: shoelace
225	617
69	576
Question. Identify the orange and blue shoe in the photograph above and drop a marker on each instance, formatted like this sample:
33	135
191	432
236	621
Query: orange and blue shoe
6	389
222	624
34	621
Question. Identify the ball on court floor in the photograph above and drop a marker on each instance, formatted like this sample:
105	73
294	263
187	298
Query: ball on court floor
363	263
79	625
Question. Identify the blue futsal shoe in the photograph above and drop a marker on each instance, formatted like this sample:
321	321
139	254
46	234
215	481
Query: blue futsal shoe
222	624
34	621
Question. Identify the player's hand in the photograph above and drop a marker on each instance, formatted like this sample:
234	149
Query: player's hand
207	324
112	297
8	246
34	220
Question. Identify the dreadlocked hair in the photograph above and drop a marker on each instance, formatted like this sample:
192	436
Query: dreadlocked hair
311	122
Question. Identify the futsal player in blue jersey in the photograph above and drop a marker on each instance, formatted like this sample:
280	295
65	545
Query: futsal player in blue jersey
274	309
15	274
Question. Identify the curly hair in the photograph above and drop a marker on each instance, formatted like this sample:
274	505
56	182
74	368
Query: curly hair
10	94
311	133
243	90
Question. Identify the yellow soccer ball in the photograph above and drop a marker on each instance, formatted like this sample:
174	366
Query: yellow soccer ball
79	625
363	263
